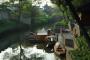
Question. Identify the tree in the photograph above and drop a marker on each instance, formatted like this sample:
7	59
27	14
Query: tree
78	3
38	16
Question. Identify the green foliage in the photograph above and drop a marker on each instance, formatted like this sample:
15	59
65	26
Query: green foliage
78	3
81	42
63	23
82	53
26	6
